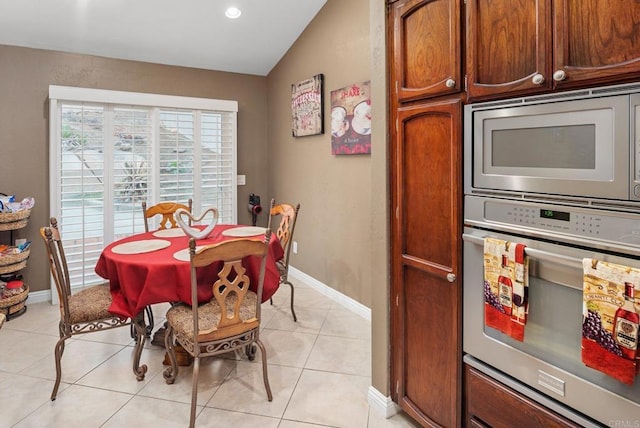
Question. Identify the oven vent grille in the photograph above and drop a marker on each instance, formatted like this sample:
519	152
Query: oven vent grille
631	207
497	103
558	96
634	87
602	204
532	197
562	96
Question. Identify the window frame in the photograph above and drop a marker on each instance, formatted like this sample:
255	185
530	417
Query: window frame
111	98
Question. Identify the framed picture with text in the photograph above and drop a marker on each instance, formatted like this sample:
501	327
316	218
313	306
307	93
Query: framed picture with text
351	119
307	107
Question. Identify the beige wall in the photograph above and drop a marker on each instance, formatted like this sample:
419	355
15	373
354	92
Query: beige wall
332	231
342	230
25	76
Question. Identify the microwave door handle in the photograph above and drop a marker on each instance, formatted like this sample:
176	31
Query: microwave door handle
559	259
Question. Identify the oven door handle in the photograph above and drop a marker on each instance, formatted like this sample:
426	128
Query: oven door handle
559	259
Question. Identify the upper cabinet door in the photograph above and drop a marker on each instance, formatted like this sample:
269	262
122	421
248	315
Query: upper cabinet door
596	41
508	47
425	48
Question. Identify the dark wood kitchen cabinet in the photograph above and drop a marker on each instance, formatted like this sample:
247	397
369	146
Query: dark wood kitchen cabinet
426	164
528	46
425	55
508	47
489	403
426	52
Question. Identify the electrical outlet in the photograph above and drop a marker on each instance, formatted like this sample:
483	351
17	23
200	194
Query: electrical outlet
242	180
295	247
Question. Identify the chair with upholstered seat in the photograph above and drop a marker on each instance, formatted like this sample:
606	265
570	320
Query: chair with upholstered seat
166	210
167	220
230	320
84	312
285	215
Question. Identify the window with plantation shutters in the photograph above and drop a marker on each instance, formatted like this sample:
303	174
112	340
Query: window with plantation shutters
111	150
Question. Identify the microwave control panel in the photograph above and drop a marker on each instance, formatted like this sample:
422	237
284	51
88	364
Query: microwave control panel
555	220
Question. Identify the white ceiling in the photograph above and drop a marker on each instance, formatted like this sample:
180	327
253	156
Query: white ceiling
191	33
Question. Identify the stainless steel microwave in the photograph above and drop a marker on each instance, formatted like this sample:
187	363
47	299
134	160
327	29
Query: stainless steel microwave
582	145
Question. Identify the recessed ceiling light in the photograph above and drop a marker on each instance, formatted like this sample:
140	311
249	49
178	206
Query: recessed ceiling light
233	13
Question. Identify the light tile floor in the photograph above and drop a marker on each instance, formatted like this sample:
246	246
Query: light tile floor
319	370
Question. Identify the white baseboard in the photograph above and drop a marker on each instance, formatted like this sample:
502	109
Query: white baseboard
382	405
39	296
346	301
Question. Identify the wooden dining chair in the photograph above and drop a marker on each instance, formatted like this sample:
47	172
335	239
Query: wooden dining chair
230	320
86	311
166	210
167	221
285	215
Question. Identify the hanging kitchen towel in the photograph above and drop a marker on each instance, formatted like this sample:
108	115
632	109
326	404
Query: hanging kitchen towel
506	273
610	319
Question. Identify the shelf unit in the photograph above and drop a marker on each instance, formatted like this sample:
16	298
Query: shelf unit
12	300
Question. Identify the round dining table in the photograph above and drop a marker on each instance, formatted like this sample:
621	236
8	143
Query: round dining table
153	267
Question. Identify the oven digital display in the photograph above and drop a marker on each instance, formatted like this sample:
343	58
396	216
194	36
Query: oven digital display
555	215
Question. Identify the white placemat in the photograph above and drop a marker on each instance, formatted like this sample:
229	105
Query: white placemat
169	233
139	247
183	255
244	231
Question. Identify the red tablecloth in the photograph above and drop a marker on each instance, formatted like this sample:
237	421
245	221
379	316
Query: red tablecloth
138	280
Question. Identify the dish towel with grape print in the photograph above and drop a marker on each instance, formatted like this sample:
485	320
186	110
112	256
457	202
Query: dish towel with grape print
506	282
610	315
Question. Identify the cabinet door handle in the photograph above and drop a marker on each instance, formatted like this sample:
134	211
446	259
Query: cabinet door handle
559	75
537	79
451	277
450	83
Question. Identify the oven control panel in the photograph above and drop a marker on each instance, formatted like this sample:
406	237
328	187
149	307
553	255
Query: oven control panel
549	219
555	220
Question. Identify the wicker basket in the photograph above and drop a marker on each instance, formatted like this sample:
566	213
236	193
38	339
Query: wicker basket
12	221
14	305
14	262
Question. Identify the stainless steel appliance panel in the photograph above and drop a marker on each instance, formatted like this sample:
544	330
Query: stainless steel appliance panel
549	359
601	229
578	145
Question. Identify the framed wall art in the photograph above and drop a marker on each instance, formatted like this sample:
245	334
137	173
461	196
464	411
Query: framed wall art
307	107
351	119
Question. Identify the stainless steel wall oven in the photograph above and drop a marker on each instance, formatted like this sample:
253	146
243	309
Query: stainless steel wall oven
560	174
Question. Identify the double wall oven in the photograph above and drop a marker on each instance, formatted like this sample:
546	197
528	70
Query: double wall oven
559	173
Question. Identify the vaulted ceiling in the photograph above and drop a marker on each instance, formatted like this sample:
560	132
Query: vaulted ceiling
191	33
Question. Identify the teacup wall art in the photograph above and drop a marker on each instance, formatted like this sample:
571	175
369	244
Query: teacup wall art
351	120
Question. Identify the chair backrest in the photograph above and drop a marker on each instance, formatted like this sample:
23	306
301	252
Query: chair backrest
166	210
232	283
288	215
57	264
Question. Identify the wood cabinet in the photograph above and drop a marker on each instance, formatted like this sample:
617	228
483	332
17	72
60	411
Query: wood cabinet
426	261
508	47
426	52
526	46
489	403
595	41
426	179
